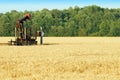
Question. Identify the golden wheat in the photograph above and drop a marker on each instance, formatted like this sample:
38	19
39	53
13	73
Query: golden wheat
62	58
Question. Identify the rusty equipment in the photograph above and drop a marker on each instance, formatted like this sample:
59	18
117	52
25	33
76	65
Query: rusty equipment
23	35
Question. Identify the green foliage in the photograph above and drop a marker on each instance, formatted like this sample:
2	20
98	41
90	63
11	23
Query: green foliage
104	28
74	21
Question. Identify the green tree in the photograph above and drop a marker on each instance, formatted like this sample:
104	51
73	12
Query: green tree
104	28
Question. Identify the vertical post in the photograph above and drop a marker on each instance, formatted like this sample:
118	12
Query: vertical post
36	33
41	36
25	32
15	33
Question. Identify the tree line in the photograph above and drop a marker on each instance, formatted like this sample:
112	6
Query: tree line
74	21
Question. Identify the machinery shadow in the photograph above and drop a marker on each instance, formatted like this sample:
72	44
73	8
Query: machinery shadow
51	44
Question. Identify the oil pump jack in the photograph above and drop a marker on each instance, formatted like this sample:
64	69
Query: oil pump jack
23	34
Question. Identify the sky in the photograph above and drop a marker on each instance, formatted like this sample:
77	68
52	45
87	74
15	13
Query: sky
33	5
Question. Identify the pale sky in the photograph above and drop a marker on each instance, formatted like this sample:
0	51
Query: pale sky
33	5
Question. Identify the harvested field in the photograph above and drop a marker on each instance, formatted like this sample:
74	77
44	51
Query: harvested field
62	58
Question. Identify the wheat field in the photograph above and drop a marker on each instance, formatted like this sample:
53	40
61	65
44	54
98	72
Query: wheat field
62	58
